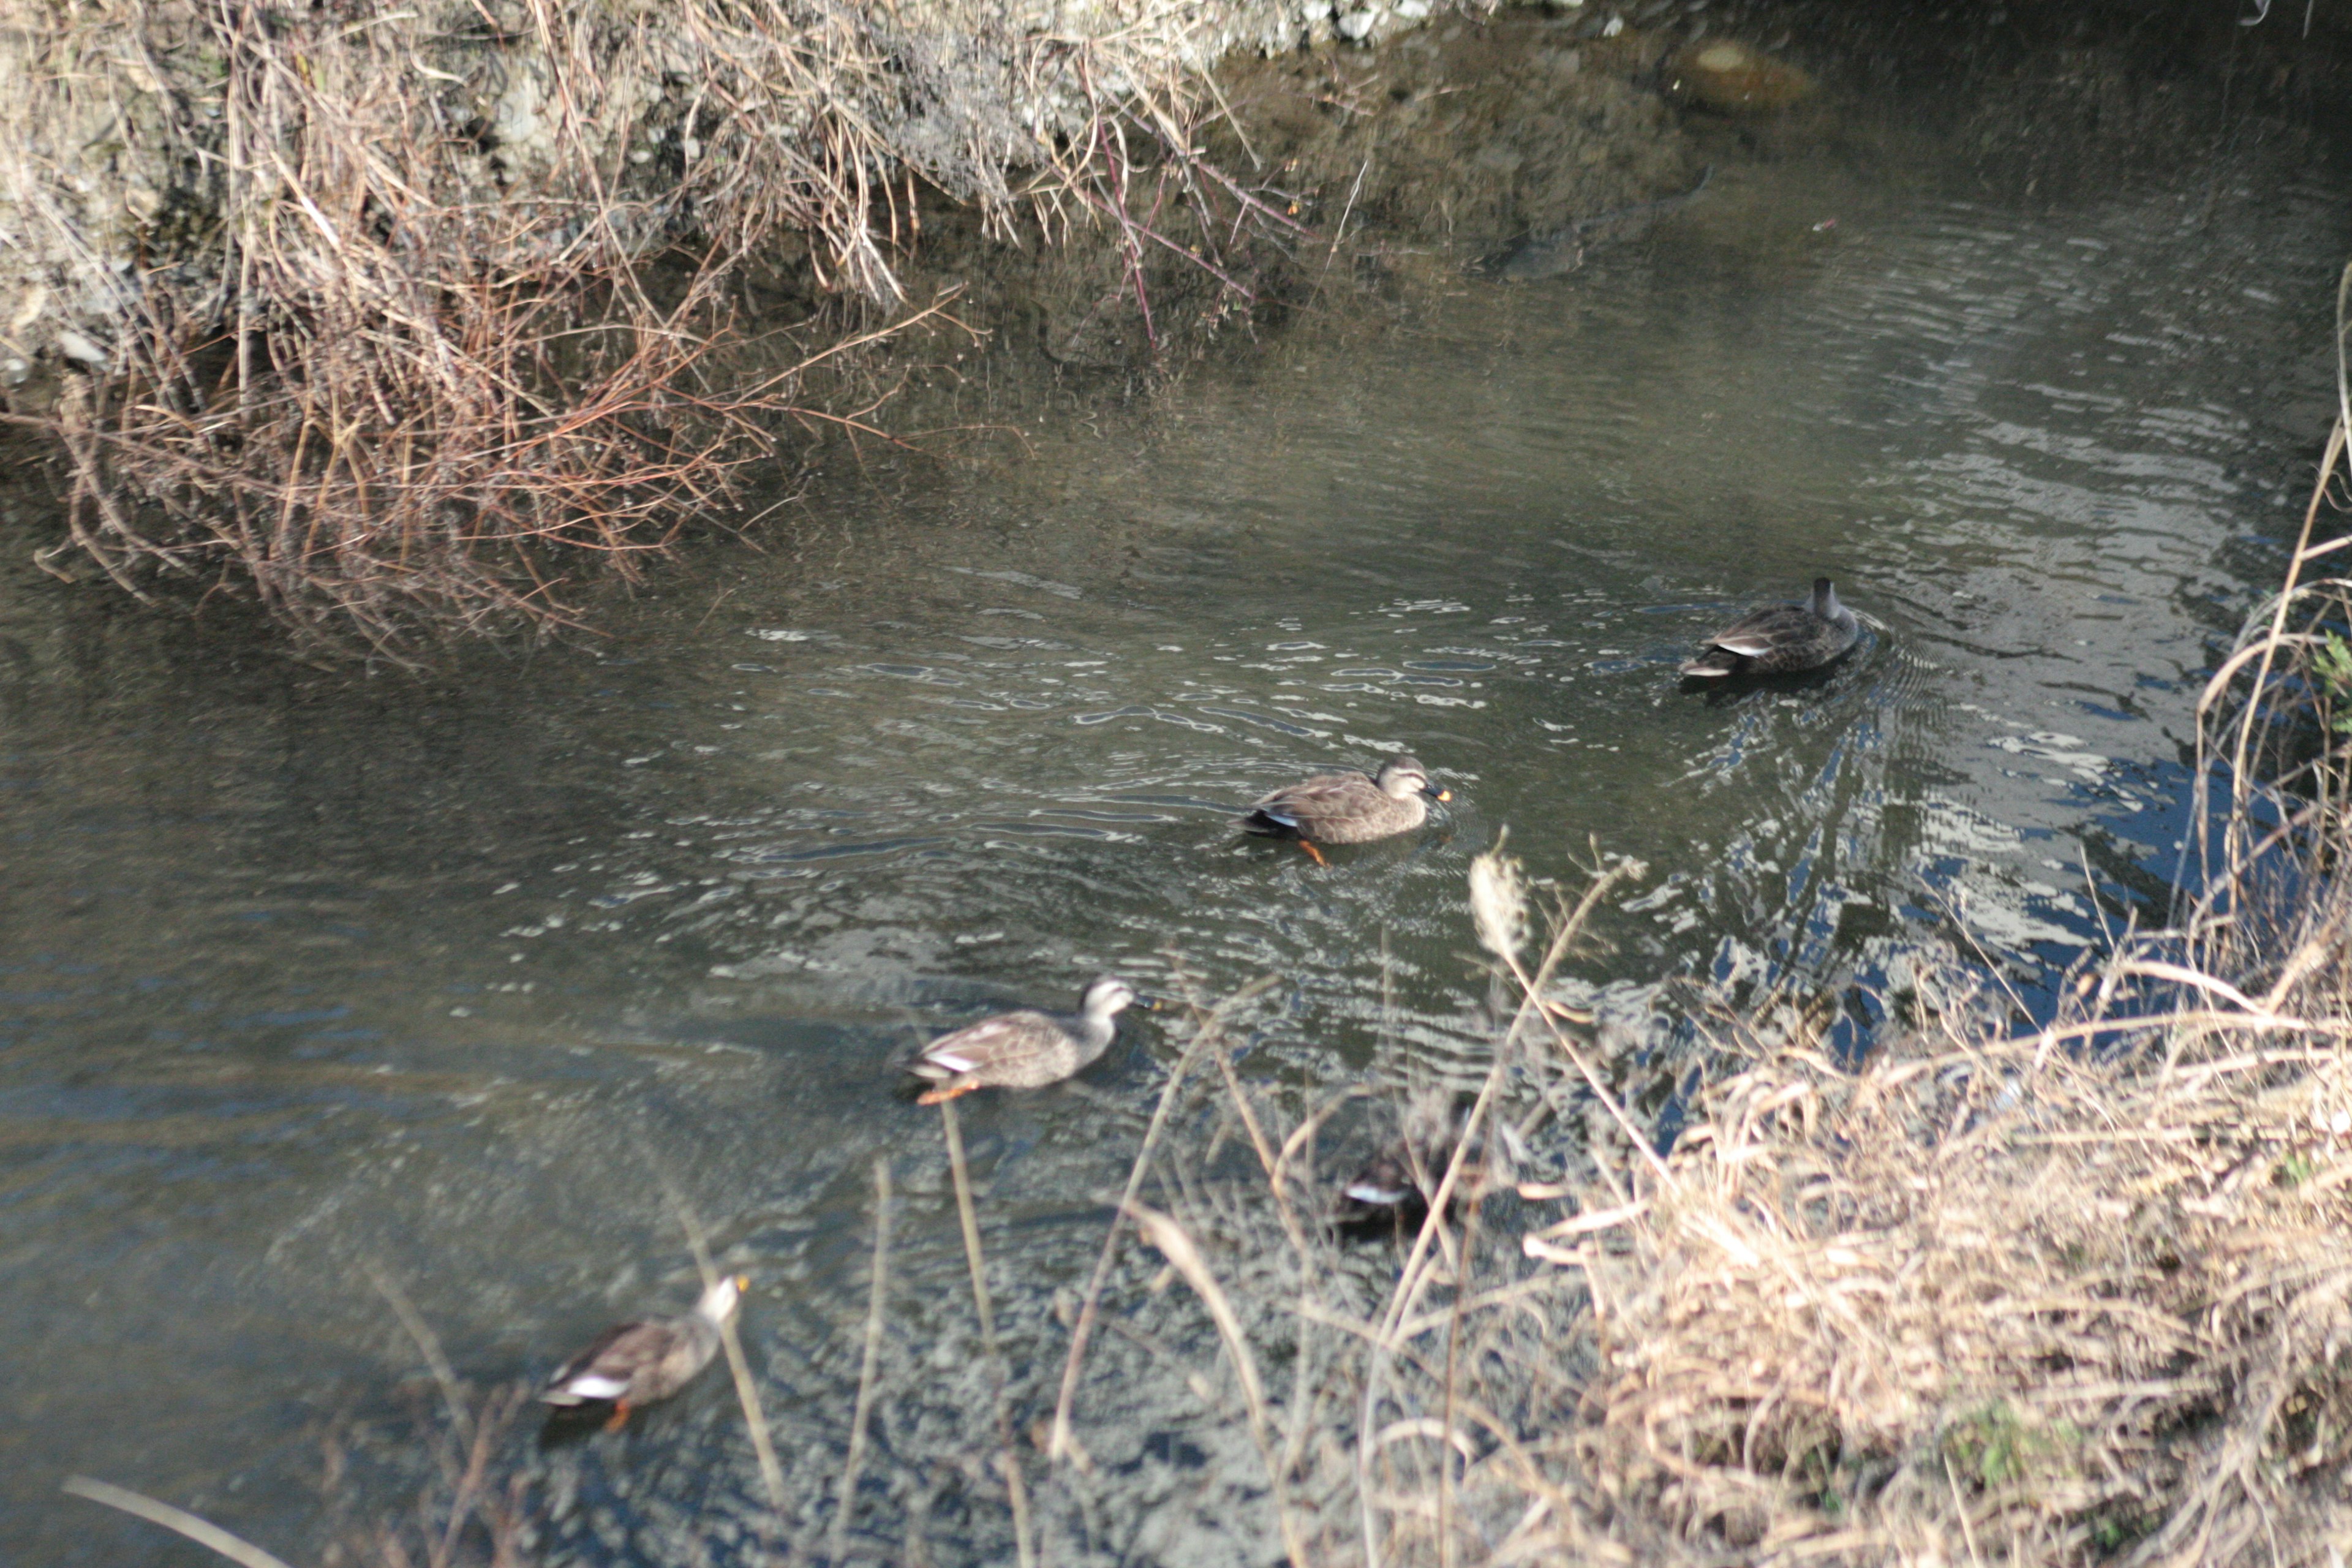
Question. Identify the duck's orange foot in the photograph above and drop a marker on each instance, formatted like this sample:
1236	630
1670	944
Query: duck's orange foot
945	1091
1314	854
620	1415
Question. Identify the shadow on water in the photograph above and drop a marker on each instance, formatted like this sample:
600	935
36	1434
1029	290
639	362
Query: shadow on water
299	976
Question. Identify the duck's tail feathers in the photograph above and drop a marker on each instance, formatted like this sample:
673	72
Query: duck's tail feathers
1269	824
1375	1195
1713	664
939	1065
582	1387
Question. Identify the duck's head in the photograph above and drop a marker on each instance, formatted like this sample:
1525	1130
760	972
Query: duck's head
1106	995
1402	777
718	1303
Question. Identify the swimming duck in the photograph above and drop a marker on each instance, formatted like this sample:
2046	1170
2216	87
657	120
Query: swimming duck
638	1362
1027	1049
1777	639
1347	808
1393	1186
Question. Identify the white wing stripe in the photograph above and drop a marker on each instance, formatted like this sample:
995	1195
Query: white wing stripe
594	1385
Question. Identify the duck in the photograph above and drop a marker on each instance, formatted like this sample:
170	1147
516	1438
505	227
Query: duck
1347	808
1780	640
647	1359
1392	1188
1025	1049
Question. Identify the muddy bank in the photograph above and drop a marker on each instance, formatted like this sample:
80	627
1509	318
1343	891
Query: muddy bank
130	163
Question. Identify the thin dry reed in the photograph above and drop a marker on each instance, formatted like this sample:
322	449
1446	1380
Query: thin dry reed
877	1296
1017	1485
178	1520
738	1368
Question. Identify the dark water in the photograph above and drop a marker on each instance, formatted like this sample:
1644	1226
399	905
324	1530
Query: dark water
299	979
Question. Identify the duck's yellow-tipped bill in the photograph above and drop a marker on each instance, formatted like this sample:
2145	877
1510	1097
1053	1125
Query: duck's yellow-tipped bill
1444	794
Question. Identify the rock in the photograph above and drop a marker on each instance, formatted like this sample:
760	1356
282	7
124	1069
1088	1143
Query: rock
1356	25
1733	78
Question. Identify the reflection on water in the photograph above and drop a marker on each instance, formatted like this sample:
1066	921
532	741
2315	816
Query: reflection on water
297	981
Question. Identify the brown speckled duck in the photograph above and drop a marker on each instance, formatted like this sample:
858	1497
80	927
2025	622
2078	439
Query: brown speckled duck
1347	808
637	1363
1027	1049
1780	639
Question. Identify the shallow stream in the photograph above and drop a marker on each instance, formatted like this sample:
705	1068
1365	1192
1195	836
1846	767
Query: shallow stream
299	981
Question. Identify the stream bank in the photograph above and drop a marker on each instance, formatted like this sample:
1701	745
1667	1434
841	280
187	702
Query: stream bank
1083	193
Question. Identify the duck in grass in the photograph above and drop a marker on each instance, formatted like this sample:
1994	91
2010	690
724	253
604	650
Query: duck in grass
1780	639
1392	1189
650	1359
1347	808
1027	1049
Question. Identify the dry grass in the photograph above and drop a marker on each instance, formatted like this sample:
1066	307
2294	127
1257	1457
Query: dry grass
440	313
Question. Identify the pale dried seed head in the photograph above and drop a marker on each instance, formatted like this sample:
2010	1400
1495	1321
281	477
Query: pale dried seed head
1499	900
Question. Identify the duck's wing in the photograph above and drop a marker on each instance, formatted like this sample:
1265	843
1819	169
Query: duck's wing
612	1361
1005	1041
1297	808
1385	1181
1759	631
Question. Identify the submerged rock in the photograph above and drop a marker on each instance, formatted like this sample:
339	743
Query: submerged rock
1734	79
1562	249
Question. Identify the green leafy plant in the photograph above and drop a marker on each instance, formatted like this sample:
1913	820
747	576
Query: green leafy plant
1997	1450
2331	668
